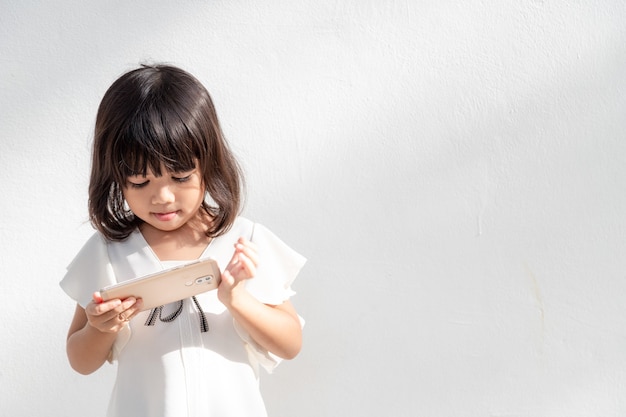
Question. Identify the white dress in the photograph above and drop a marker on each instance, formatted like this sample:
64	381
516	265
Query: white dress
172	368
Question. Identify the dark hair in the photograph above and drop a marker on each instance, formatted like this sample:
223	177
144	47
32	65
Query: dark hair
153	116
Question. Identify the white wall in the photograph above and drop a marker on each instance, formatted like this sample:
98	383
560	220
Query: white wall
454	171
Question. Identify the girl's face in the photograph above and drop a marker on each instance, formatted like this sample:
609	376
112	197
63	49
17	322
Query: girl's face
166	202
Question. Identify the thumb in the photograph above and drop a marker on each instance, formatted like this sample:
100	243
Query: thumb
228	278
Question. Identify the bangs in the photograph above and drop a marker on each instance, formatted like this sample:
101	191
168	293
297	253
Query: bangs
152	140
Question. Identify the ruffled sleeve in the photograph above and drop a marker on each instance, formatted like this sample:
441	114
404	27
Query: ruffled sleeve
278	267
90	271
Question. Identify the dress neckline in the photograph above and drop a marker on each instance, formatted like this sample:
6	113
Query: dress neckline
164	261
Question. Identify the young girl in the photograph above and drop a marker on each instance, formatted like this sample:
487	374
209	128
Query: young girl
165	190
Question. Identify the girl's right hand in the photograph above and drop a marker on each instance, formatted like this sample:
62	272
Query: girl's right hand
111	316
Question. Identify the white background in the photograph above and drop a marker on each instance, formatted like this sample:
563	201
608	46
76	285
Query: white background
453	170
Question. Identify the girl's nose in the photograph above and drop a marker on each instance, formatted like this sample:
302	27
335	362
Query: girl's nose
163	195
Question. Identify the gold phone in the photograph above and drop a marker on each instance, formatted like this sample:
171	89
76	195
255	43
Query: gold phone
169	285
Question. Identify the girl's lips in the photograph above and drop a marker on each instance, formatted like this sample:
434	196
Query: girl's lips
165	217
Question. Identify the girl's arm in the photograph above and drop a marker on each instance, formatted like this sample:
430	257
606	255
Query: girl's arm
93	332
276	328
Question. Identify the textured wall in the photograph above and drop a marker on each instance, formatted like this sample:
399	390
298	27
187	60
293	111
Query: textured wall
454	171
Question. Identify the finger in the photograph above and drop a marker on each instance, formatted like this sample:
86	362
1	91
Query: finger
121	308
247	242
247	265
103	321
134	307
103	308
244	268
227	279
249	250
134	310
246	248
121	318
97	298
234	259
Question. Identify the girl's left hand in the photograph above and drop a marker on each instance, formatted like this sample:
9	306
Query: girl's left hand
241	267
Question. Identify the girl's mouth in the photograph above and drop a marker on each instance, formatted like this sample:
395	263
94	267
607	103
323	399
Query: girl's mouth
165	217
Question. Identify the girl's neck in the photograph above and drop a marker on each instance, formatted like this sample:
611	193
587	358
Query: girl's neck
185	243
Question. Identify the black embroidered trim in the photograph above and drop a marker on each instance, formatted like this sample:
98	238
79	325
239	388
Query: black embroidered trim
158	311
204	324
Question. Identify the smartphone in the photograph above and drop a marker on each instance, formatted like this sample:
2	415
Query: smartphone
169	285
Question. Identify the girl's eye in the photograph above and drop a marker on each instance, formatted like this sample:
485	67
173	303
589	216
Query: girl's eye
182	179
137	185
